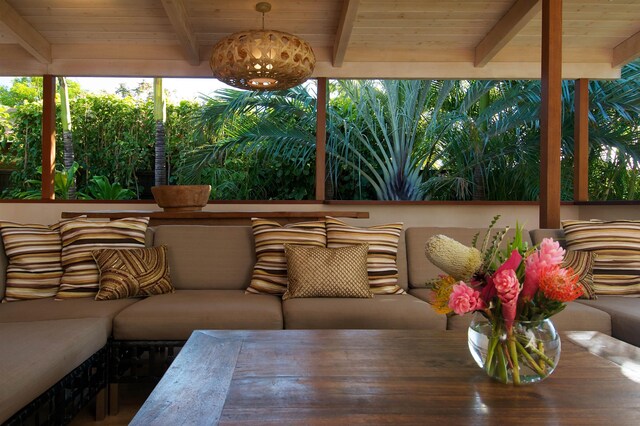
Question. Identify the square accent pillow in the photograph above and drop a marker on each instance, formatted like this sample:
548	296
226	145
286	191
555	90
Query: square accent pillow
34	268
383	251
616	269
582	264
132	272
325	272
270	271
80	238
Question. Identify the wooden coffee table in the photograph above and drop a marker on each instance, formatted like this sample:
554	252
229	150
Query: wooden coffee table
385	377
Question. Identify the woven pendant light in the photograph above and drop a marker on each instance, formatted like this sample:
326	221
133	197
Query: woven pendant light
262	59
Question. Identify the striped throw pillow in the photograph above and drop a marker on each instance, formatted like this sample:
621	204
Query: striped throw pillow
80	238
34	268
582	264
383	242
270	271
132	272
616	269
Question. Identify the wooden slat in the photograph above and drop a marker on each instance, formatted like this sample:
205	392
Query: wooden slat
177	14
48	136
30	39
551	114
507	27
626	51
581	141
321	139
345	27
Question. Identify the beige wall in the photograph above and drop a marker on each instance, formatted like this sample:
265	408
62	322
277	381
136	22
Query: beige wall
468	215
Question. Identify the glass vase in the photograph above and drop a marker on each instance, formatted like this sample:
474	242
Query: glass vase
526	353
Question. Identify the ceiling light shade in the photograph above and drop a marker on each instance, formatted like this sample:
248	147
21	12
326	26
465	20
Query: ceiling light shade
262	59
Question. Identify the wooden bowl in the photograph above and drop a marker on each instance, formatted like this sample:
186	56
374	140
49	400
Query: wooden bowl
181	198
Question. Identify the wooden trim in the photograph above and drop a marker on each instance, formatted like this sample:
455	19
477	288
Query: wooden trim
626	51
48	136
581	141
31	40
505	29
345	27
179	18
321	139
551	114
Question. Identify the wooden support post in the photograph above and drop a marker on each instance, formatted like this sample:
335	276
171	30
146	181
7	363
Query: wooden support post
551	114
48	136
581	141
321	139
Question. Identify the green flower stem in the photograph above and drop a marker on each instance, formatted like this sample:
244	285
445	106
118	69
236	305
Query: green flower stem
502	366
540	353
490	362
534	365
514	359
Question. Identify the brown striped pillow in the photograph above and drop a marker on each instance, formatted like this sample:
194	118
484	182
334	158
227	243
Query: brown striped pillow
270	271
80	238
34	268
582	264
132	272
616	269
383	251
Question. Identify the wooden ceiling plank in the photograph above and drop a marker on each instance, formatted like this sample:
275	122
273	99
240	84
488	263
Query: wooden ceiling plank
345	27
505	29
177	14
31	40
626	51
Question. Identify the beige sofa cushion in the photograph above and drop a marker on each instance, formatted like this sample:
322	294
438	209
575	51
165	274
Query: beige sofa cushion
625	316
421	269
50	309
174	316
36	355
381	312
208	257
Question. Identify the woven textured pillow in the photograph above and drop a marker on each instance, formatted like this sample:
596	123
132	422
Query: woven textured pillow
132	272
582	264
383	251
616	269
34	268
80	238
270	271
325	272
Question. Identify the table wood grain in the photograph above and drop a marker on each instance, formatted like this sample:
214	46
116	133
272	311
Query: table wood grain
385	377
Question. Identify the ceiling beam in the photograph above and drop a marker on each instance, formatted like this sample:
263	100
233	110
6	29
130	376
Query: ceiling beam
31	40
505	29
177	14
626	51
345	26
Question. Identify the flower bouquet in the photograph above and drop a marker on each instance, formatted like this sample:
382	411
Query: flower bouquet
515	290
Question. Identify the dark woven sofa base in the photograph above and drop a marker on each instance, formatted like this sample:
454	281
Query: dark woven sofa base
133	361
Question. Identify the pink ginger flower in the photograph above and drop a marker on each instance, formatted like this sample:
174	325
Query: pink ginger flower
549	255
464	299
508	287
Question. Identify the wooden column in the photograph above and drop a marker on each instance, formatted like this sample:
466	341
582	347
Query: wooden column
321	138
581	141
48	136
551	114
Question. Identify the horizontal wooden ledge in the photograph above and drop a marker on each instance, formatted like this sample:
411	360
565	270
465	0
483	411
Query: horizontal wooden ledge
206	215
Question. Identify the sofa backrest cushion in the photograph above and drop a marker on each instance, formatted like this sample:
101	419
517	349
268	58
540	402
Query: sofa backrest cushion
537	235
208	257
420	269
4	262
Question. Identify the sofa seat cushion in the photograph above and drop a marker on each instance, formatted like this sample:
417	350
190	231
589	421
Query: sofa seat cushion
50	309
35	355
625	316
381	312
174	316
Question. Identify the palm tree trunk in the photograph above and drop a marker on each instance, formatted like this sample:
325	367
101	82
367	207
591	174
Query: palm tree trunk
67	136
159	114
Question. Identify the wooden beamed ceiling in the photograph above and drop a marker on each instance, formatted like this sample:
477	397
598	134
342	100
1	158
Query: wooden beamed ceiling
351	38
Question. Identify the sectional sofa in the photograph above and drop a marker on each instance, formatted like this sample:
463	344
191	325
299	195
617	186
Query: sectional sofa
74	347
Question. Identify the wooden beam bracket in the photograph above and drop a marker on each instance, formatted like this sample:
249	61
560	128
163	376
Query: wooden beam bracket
31	40
345	27
177	13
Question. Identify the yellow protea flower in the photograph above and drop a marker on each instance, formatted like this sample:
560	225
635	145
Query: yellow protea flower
455	259
442	289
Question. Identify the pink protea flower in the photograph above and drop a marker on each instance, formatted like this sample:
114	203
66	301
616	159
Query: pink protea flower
550	252
508	288
464	299
549	255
